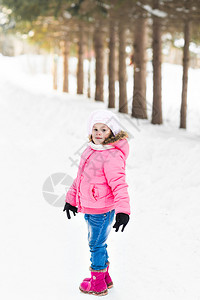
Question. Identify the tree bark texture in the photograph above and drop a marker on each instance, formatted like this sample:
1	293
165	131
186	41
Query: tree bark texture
123	105
157	58
111	66
55	71
65	53
80	75
186	58
99	53
139	107
89	64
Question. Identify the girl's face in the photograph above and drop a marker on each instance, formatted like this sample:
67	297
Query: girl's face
100	132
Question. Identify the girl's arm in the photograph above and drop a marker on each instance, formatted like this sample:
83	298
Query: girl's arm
114	169
71	194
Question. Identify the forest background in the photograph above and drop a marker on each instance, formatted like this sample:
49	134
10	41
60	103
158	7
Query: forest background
110	32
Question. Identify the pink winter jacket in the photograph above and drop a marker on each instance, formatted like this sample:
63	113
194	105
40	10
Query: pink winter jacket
100	185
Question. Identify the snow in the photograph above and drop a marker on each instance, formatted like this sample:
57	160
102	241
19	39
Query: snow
44	255
155	12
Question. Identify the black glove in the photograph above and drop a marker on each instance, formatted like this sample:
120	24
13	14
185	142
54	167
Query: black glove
69	207
121	219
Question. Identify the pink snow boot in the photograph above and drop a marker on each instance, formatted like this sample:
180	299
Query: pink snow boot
96	285
108	279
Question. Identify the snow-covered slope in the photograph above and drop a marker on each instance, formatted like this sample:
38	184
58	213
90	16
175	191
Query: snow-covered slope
43	254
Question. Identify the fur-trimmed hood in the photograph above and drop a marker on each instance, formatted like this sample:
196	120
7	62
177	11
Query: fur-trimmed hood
113	139
118	137
119	141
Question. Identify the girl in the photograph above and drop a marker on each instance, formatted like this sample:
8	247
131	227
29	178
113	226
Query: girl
100	192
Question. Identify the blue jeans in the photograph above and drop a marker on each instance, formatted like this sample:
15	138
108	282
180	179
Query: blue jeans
99	227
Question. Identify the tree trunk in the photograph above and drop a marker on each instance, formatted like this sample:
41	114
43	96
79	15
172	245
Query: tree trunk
89	64
65	53
99	53
186	58
139	107
55	71
80	78
157	58
111	66
123	105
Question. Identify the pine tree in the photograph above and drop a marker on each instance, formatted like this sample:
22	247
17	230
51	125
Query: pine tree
157	61
139	107
112	63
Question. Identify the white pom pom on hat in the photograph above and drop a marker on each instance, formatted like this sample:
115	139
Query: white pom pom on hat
105	117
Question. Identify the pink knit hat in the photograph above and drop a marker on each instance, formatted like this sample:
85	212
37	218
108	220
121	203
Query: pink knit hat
105	117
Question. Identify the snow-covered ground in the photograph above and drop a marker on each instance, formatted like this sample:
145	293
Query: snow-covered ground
43	254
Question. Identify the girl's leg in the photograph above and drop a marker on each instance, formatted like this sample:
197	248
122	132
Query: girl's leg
99	227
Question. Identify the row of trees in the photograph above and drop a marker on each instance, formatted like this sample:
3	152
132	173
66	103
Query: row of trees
94	25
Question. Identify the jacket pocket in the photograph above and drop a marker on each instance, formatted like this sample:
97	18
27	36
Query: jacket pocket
100	191
93	192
